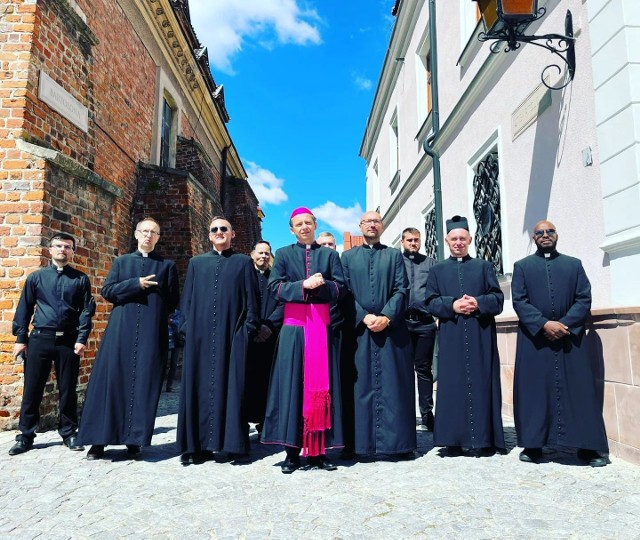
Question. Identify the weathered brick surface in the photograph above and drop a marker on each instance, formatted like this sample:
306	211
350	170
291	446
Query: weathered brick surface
96	184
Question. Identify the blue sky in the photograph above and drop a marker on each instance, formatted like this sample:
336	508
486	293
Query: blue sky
299	79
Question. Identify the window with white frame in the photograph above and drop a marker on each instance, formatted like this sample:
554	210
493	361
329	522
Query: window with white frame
423	79
394	152
375	185
168	132
469	18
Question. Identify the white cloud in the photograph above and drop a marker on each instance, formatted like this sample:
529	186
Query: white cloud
362	83
224	25
339	218
266	185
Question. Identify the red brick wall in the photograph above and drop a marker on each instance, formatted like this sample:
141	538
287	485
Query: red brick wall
97	184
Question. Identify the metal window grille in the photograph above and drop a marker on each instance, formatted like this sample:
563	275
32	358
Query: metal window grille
430	237
486	209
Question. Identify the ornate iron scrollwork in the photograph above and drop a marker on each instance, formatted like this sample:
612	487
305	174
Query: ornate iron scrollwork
486	210
430	236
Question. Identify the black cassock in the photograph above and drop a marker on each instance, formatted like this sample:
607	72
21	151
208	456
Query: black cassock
260	358
384	393
126	379
220	309
556	398
291	266
469	398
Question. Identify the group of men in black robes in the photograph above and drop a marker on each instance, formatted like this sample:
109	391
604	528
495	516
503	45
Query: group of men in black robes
233	307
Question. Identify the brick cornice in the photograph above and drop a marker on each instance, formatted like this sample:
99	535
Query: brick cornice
164	23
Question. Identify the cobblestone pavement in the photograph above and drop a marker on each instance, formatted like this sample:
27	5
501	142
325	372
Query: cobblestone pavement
51	492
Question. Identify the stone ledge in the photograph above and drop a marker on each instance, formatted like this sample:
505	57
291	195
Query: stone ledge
69	166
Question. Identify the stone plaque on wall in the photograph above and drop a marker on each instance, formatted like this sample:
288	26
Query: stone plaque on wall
51	93
528	111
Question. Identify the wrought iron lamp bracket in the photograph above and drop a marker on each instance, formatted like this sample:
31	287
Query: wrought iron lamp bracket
563	46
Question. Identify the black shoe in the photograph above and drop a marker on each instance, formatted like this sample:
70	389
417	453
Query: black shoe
486	451
454	451
186	459
290	464
95	452
347	454
593	458
71	442
407	456
531	455
240	459
21	446
321	462
134	451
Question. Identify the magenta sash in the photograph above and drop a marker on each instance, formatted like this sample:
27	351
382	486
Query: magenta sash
316	400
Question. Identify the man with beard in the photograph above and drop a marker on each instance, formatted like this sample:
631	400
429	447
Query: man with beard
126	379
384	396
304	406
262	346
464	294
220	313
555	398
422	327
61	298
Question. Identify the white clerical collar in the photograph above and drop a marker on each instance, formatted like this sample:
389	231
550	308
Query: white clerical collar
460	259
144	253
547	255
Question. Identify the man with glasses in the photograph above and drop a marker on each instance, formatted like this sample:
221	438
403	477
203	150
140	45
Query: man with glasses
220	310
384	392
61	298
555	394
464	294
262	345
422	327
126	379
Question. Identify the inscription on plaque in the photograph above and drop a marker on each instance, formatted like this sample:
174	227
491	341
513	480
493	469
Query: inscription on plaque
51	93
528	111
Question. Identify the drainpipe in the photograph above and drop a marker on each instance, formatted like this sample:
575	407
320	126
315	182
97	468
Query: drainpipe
435	119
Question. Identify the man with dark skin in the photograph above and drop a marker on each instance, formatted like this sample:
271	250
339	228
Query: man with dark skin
555	391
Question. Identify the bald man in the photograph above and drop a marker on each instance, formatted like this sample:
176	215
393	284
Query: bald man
384	396
555	393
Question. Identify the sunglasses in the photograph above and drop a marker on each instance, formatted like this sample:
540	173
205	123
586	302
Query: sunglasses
550	232
221	229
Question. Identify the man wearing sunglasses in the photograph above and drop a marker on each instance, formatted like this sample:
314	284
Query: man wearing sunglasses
61	298
126	380
220	309
555	392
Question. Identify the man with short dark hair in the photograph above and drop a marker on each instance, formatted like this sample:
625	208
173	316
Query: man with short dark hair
421	325
384	395
464	294
126	379
555	396
61	298
220	315
263	343
304	411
